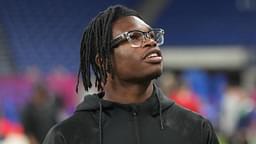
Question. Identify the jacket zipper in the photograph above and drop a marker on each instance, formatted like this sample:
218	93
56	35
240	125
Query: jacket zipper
135	121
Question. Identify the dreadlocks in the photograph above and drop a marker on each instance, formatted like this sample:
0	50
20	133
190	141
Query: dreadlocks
96	41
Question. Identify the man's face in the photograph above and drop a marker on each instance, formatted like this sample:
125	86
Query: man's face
135	64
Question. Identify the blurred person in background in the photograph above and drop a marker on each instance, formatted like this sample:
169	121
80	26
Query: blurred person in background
185	97
62	84
39	115
11	132
230	110
253	93
251	129
236	107
123	52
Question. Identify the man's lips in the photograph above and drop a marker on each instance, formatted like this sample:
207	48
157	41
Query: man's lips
153	56
154	60
154	51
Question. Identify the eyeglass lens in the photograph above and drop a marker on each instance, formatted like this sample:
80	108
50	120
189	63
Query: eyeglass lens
136	38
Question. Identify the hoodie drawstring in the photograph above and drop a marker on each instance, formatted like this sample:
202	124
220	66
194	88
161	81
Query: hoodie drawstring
100	119
100	123
160	113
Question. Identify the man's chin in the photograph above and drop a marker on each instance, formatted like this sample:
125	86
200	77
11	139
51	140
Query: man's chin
154	75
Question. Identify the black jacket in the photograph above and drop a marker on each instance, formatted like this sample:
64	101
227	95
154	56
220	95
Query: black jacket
155	121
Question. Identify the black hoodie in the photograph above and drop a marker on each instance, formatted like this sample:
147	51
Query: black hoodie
155	121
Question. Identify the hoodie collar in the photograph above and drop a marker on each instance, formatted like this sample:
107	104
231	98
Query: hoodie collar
91	102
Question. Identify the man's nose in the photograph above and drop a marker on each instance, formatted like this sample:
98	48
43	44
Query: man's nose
149	42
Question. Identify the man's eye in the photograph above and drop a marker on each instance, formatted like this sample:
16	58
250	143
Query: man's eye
152	35
135	35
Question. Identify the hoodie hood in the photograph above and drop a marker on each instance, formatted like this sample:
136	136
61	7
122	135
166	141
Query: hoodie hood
95	102
156	120
155	105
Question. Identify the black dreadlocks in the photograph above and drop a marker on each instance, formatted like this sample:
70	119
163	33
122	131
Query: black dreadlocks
96	41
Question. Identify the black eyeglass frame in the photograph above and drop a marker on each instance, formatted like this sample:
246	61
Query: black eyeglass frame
125	36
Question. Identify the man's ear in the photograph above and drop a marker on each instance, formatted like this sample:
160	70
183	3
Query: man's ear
98	60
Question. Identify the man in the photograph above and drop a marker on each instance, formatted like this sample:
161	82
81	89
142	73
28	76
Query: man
39	115
123	52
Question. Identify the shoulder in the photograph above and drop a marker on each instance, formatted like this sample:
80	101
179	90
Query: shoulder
77	122
195	125
63	132
183	114
55	136
184	119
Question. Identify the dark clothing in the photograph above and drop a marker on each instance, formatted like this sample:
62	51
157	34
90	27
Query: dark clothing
37	120
155	121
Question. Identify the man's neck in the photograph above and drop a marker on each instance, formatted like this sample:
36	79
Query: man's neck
128	93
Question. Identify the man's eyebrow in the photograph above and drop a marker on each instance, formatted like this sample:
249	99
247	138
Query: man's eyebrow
149	29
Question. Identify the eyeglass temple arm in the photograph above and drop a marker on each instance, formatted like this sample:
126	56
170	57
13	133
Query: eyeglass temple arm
115	42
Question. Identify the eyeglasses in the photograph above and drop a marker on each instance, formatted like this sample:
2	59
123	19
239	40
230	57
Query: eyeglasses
136	38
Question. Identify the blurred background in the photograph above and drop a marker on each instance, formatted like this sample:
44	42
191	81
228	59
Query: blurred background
209	62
